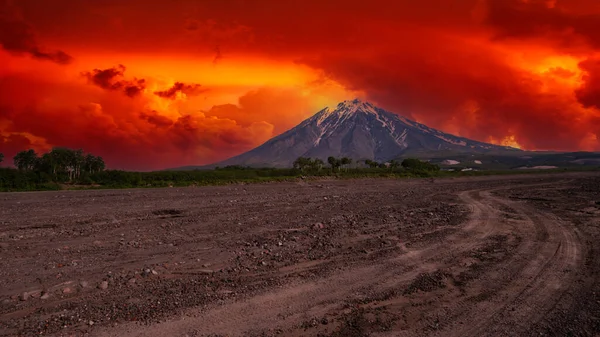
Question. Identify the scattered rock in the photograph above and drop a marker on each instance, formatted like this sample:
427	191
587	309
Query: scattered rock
154	272
319	225
24	296
103	285
35	293
91	323
45	296
84	284
206	265
132	281
67	290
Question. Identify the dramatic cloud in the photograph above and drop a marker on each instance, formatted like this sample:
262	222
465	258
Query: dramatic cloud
589	93
108	79
566	23
17	36
181	88
281	108
154	118
127	133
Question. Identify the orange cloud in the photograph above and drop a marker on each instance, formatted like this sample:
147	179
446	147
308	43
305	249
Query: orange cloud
181	88
107	79
41	111
18	36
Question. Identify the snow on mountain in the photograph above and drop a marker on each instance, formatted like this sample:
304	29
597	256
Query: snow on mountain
358	130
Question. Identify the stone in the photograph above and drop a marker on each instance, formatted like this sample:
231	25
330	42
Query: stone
45	296
103	285
24	296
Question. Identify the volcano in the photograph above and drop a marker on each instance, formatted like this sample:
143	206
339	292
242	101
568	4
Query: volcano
358	130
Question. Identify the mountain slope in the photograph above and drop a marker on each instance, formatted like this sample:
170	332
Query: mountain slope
357	130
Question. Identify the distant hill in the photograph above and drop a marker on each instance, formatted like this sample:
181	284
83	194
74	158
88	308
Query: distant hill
517	160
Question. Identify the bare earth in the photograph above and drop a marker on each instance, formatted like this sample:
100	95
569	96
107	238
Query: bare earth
488	256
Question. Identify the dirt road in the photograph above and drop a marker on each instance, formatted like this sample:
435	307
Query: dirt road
489	256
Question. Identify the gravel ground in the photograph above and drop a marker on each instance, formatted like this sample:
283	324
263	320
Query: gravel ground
486	256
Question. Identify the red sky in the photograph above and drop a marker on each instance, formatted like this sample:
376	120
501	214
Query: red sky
157	84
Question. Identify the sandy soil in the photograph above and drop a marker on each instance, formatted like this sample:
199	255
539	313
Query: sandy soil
488	256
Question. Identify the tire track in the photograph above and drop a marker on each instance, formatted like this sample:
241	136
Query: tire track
298	301
533	290
514	294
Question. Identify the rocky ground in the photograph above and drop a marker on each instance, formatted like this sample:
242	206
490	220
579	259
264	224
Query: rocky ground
497	256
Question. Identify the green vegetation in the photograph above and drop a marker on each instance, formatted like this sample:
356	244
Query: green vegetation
64	168
337	163
303	164
419	166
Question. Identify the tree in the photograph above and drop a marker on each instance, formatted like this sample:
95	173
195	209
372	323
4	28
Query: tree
301	163
60	159
93	164
394	164
371	163
417	165
25	160
331	160
317	164
334	162
345	161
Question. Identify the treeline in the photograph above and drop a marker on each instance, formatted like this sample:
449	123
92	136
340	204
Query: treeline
60	163
306	164
62	167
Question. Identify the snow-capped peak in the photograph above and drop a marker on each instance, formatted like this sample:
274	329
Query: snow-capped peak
346	109
352	106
